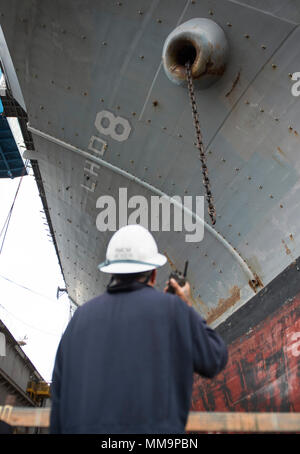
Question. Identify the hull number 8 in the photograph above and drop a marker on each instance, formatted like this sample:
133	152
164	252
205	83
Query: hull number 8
108	124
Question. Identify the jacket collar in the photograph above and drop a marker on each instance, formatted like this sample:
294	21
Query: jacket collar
130	286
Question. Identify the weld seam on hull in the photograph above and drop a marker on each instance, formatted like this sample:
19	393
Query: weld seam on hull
151	188
249	85
160	65
243	5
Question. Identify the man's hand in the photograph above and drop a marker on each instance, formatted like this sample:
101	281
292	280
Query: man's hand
183	292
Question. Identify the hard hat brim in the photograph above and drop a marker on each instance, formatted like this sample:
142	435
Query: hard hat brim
132	266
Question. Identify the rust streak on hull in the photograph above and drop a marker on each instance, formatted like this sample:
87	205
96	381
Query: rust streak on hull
234	84
225	304
287	249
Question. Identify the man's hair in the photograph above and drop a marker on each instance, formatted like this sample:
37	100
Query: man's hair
122	278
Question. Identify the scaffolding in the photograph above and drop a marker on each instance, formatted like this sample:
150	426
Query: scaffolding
38	390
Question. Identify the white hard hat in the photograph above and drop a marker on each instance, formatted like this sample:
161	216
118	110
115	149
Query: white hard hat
132	249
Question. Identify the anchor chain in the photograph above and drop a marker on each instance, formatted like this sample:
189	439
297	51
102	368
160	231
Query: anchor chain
200	146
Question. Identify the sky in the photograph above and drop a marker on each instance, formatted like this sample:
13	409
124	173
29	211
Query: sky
28	259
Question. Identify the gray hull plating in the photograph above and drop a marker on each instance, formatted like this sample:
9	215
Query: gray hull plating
104	116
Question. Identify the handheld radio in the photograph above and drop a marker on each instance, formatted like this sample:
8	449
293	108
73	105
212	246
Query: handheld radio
179	277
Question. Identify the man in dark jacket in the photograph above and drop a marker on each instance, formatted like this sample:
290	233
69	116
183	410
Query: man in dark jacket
125	363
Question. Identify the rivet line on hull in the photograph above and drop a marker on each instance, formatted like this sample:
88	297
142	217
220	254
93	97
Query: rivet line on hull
151	188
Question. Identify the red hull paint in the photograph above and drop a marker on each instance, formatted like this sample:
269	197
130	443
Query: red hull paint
263	370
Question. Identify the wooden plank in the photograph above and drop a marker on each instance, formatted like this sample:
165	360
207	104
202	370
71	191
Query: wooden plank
243	422
25	416
197	421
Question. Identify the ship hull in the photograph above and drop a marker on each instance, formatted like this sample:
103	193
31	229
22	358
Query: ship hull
263	369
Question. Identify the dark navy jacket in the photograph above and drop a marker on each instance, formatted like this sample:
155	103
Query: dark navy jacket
125	364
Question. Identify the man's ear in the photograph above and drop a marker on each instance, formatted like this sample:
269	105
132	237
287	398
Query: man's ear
152	279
